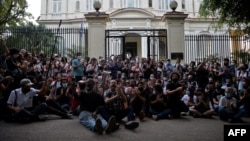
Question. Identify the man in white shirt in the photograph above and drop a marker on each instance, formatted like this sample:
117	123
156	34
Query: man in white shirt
21	102
228	107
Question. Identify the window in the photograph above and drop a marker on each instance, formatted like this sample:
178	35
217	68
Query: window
111	3
77	5
150	3
183	4
131	3
57	6
163	4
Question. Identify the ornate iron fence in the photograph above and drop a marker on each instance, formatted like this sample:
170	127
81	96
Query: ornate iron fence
217	47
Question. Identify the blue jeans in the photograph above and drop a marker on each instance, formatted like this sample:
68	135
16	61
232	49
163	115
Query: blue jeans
119	114
160	114
88	121
224	115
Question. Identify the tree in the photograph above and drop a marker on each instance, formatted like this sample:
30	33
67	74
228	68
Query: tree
13	12
27	35
234	13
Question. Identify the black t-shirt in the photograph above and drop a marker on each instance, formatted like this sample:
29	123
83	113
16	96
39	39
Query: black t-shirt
176	96
158	106
137	101
90	101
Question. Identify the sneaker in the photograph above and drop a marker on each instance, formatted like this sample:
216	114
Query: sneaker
142	116
154	117
43	117
98	126
111	124
66	116
131	125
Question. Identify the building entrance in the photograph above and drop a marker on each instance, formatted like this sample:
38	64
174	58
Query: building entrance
142	43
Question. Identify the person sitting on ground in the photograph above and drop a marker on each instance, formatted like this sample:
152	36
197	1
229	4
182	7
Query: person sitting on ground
90	101
137	99
228	109
175	91
158	104
203	107
117	105
21	102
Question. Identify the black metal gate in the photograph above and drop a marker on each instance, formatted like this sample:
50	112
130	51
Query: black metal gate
153	43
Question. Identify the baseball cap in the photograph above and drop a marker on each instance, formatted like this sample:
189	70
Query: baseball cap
26	82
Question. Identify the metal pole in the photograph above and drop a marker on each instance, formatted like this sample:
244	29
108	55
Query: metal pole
53	49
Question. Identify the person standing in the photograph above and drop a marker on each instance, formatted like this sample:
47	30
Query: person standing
78	68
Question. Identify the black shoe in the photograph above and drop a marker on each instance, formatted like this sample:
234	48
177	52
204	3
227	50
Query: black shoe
111	125
98	127
117	126
66	116
131	125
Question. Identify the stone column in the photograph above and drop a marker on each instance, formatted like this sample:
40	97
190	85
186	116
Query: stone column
175	28
96	33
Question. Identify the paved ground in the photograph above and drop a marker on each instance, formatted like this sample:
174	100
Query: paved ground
54	129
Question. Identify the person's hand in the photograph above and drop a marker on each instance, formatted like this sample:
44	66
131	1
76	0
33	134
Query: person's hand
17	109
179	89
159	98
94	115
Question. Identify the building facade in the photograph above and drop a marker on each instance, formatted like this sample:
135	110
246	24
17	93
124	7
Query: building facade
134	26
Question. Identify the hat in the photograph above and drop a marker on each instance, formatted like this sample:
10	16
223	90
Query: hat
26	82
90	84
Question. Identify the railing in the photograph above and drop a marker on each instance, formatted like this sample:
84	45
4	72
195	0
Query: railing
217	47
69	40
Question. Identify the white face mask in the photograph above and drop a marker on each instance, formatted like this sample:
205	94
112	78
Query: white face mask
79	57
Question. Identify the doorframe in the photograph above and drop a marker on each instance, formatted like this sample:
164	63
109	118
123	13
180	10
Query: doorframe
111	33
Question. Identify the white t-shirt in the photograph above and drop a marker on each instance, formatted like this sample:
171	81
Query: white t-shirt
22	100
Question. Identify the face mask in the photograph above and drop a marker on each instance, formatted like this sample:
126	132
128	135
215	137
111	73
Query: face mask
188	93
79	57
175	80
64	85
154	92
227	95
25	90
152	78
168	62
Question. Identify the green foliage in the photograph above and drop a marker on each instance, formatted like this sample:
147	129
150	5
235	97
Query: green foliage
234	13
242	56
27	35
214	57
13	13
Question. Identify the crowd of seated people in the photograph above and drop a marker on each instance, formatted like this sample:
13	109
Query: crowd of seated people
103	91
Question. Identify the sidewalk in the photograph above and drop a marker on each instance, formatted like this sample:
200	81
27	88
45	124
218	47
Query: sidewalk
54	129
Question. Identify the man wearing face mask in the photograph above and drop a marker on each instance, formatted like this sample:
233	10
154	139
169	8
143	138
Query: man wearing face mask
228	110
174	92
62	95
78	68
168	68
20	101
